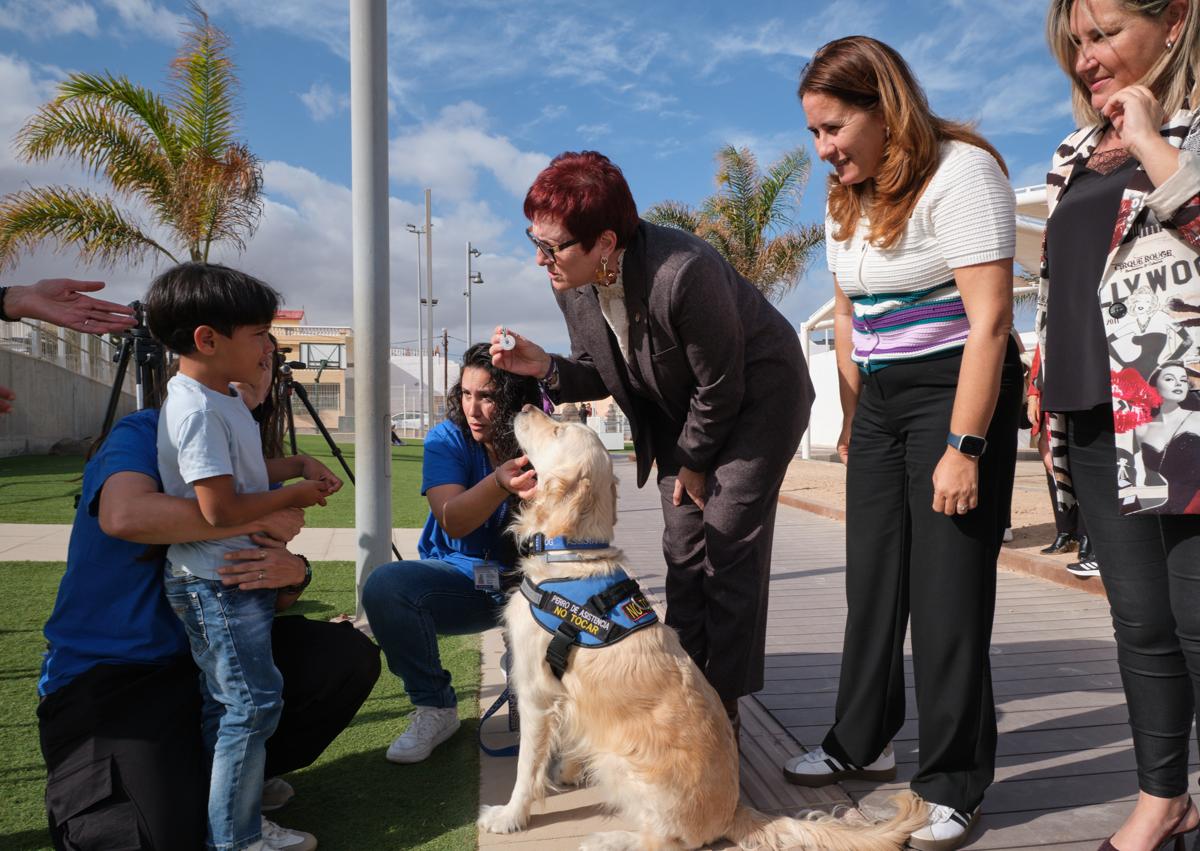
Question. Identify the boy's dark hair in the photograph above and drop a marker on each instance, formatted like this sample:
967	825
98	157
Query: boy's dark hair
189	295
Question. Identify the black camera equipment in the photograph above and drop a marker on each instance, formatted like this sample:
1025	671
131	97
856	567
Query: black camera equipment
291	386
149	364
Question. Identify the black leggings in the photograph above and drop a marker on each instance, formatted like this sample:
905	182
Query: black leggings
1151	569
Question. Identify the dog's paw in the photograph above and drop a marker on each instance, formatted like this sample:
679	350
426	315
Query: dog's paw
564	773
506	819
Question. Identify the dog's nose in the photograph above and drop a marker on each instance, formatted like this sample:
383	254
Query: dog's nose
528	407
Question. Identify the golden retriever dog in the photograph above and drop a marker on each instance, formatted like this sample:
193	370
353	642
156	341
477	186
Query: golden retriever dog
636	717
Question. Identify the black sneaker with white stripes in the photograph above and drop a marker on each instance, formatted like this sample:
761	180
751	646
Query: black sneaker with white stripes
818	768
1085	568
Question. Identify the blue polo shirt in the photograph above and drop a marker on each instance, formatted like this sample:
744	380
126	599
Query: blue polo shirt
110	607
451	458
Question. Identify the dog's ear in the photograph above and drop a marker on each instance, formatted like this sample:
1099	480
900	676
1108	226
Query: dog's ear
580	501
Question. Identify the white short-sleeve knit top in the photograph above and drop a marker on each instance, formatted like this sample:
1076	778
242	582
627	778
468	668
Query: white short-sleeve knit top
906	304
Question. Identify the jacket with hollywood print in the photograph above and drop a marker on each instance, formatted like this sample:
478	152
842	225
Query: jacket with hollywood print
1133	295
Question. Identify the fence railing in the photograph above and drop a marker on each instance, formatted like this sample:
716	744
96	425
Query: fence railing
83	354
281	331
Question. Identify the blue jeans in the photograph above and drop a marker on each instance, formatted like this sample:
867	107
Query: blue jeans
410	603
230	635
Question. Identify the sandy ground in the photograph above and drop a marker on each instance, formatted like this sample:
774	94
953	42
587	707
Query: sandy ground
822	484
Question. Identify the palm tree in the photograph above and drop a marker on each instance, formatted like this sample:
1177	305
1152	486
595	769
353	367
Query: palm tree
176	159
749	219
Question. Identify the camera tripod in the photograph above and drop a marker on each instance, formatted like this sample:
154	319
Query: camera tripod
291	386
149	369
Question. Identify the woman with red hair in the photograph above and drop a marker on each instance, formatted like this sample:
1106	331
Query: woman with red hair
711	377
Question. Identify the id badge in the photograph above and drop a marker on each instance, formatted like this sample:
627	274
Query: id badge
487	576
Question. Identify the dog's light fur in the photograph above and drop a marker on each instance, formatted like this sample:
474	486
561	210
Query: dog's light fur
638	718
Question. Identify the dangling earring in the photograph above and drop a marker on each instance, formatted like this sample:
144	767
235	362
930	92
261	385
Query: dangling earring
604	277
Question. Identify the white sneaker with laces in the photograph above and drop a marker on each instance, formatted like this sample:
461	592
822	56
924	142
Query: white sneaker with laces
431	725
276	838
818	768
276	793
946	830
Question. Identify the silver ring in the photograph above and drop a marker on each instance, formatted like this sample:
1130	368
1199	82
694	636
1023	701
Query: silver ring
85	322
963	508
262	574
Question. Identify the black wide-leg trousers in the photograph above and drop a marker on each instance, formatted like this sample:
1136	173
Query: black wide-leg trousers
905	562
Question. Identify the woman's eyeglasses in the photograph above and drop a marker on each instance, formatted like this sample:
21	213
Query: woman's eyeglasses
545	247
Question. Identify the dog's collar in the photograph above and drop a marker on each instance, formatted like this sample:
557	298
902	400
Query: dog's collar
561	548
596	611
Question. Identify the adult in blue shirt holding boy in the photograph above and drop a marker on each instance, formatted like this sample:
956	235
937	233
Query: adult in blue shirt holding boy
472	472
119	719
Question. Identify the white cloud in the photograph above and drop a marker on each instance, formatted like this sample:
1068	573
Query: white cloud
592	132
448	153
39	19
323	102
147	18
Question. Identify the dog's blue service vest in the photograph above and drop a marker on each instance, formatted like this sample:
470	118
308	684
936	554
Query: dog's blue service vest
594	612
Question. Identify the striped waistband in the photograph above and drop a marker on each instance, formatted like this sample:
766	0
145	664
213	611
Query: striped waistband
893	328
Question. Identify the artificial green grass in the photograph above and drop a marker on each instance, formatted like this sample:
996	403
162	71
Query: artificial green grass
350	798
42	488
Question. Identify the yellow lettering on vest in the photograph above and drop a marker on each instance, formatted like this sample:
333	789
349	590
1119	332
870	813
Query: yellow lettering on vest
560	612
591	628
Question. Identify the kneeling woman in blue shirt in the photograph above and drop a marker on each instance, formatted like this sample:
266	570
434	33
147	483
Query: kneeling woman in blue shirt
472	469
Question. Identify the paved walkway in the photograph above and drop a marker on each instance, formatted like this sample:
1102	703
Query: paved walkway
1065	771
48	542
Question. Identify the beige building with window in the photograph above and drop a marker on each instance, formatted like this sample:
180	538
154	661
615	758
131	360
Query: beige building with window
328	354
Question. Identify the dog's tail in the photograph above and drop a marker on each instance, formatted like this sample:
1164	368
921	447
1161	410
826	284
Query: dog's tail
755	831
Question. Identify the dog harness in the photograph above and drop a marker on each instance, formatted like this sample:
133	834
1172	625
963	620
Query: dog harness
594	612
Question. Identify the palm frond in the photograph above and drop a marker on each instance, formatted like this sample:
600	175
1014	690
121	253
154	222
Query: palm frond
780	189
674	214
204	87
737	181
104	140
785	258
231	194
71	217
131	101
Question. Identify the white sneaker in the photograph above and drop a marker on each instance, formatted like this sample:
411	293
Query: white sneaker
276	793
1008	535
276	838
431	725
946	829
817	768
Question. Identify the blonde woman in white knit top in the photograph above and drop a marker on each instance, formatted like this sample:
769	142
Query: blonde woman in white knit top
920	238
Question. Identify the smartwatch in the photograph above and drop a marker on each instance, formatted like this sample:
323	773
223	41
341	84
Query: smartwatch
967	444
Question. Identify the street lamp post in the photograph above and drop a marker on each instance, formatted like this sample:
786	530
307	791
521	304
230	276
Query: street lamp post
417	232
472	278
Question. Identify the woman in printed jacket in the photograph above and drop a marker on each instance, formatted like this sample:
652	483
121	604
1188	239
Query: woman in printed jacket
1117	322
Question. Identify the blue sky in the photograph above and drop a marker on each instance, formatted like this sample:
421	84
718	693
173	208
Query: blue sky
483	93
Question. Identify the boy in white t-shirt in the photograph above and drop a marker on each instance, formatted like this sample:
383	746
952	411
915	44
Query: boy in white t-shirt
217	320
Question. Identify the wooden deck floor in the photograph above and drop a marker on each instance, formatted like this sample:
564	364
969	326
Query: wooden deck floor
1065	767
